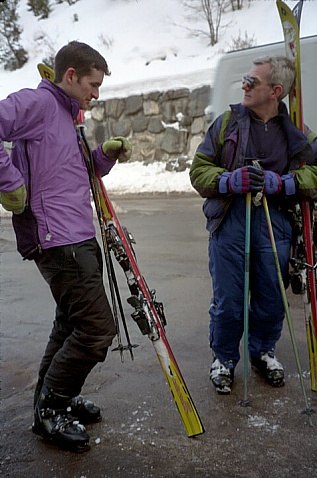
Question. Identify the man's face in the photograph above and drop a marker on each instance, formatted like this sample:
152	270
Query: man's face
87	87
257	96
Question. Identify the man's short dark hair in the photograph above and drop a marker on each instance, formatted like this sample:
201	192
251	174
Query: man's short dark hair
81	57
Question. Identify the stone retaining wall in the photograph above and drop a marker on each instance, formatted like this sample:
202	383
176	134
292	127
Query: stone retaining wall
162	126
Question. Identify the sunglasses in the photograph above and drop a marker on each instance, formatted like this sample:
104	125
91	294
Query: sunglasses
249	81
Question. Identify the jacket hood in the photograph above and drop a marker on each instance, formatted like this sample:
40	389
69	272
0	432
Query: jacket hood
66	101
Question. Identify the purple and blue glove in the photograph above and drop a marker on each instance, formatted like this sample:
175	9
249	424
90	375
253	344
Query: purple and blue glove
242	180
252	179
275	184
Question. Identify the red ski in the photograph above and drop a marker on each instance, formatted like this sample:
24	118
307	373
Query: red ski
304	262
149	314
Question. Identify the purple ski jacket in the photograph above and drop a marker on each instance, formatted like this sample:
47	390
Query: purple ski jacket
40	123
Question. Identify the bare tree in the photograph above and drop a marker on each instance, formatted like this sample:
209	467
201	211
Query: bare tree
236	4
240	43
209	10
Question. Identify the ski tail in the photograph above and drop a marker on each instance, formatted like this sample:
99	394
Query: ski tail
290	22
46	72
184	403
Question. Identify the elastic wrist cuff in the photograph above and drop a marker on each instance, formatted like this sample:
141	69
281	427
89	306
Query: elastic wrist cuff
223	183
289	184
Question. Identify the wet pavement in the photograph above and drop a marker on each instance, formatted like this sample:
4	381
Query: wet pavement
141	434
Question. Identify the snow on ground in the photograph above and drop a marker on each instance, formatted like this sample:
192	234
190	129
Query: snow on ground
135	178
148	47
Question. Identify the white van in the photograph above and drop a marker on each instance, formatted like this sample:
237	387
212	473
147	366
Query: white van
232	66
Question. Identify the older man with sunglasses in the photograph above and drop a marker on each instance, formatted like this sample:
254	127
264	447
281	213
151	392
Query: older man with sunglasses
252	148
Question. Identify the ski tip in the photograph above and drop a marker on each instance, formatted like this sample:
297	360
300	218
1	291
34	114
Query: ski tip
45	71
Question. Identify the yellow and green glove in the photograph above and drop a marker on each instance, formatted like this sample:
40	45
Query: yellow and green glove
14	201
118	148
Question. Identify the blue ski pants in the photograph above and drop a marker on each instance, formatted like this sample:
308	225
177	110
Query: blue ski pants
227	269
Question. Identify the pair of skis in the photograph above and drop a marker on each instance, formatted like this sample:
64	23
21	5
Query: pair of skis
303	275
304	255
148	313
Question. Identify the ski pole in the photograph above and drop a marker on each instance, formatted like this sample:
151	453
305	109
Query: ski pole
308	410
113	286
245	402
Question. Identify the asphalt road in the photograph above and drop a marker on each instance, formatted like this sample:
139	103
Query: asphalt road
141	434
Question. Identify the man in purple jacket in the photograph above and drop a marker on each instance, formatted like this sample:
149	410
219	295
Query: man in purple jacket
45	184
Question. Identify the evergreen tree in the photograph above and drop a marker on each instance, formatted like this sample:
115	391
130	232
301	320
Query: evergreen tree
40	8
12	54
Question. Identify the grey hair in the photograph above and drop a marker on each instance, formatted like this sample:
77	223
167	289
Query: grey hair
282	72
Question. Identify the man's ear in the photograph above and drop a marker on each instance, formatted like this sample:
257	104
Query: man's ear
278	91
70	75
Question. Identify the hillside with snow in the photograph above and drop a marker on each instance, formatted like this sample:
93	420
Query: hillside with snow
148	46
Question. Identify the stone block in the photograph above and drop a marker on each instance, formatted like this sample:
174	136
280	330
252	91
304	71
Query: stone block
155	125
114	108
171	108
151	107
98	111
174	140
121	127
134	104
139	123
199	100
197	125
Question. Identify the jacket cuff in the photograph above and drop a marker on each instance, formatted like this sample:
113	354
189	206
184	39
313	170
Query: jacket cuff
223	186
289	184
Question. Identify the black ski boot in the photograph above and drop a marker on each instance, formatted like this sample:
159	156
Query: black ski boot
37	391
84	410
269	368
221	377
53	421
